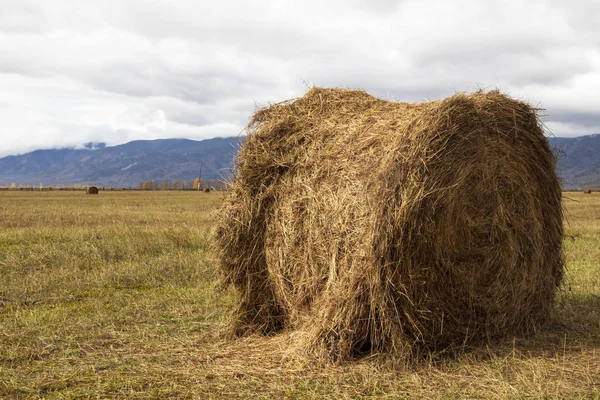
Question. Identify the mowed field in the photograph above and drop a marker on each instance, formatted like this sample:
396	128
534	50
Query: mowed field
115	296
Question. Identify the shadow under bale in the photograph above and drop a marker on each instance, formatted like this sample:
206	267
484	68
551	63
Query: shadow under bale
363	224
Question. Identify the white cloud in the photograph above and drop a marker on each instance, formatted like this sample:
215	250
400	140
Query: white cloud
113	71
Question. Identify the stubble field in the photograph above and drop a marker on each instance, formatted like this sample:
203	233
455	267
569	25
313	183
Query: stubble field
114	296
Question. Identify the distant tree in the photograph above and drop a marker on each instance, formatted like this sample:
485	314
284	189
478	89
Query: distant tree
147	185
196	185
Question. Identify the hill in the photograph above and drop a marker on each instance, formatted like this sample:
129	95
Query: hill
579	164
124	165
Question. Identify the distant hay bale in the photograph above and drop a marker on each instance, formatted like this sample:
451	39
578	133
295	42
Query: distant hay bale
361	223
91	190
588	191
207	190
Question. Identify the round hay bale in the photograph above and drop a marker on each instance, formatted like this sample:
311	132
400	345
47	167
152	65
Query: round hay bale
207	190
91	190
393	227
588	191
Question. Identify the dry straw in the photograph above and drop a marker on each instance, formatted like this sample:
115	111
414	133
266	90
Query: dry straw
364	224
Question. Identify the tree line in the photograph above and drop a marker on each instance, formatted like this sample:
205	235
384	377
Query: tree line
175	184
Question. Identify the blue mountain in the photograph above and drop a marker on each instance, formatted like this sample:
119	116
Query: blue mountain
124	165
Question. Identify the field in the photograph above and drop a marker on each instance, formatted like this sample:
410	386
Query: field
114	296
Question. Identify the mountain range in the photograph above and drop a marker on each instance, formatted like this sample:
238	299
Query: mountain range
125	165
579	161
129	164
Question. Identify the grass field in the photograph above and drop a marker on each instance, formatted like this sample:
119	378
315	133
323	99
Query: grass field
113	296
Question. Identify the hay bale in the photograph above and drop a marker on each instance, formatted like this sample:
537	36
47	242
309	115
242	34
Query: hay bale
588	191
393	227
207	190
91	190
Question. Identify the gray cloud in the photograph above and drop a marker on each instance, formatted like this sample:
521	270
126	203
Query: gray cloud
585	119
73	72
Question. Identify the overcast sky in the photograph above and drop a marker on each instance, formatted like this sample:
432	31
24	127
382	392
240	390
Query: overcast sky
78	71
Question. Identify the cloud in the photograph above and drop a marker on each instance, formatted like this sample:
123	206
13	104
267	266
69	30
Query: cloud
113	71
